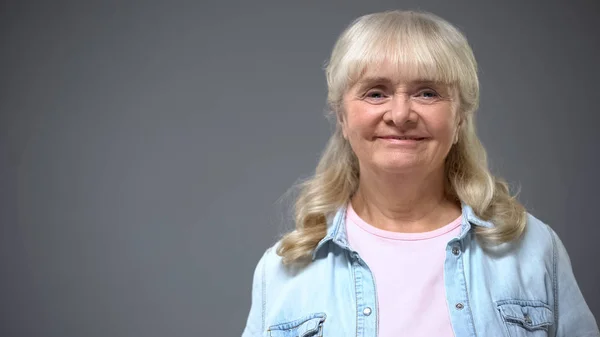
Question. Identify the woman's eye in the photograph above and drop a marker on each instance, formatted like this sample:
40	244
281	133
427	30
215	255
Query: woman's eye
375	95
428	94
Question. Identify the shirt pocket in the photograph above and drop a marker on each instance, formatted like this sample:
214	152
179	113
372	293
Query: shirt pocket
526	318
307	326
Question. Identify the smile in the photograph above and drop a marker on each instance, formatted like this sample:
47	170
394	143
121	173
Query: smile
404	141
403	138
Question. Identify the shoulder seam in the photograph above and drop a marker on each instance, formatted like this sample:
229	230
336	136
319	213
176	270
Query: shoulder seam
554	278
263	287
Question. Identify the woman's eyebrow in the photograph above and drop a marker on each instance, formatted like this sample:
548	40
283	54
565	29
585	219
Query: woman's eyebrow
424	82
366	82
373	80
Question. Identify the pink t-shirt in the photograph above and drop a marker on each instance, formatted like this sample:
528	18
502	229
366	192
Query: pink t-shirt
409	275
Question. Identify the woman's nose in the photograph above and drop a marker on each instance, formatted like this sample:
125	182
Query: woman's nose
401	111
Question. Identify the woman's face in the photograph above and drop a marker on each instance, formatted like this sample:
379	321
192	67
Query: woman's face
399	126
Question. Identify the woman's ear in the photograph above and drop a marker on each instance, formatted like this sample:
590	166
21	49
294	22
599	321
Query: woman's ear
342	123
457	131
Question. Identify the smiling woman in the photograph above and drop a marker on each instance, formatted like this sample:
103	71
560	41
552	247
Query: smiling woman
403	230
396	126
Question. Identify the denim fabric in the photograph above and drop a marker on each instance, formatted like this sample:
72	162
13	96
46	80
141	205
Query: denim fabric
521	289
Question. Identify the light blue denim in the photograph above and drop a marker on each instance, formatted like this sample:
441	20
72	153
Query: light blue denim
524	288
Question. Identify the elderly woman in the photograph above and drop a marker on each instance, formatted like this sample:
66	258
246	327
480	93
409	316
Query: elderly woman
403	230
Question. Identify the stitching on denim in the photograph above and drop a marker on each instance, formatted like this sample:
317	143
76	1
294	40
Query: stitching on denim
355	294
527	303
321	316
340	226
263	292
330	236
356	280
554	279
540	307
464	283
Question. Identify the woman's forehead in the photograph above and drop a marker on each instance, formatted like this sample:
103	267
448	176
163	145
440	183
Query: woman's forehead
394	75
397	73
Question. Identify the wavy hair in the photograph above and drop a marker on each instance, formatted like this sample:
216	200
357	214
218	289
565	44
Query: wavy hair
426	47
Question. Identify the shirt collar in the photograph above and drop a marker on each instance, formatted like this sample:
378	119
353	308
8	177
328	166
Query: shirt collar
336	227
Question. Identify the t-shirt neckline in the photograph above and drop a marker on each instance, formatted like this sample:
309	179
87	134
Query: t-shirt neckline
355	218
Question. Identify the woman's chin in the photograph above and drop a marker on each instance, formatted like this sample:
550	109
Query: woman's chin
401	166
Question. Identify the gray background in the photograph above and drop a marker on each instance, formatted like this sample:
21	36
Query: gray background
144	147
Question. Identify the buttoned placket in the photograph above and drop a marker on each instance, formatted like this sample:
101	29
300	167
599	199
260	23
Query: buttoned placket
456	292
457	295
367	308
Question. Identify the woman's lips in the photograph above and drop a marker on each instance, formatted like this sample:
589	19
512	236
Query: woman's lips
403	140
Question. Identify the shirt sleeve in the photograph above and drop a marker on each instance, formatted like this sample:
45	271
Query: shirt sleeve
573	316
255	322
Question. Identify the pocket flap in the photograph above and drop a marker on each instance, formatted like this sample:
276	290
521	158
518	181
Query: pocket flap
529	314
309	327
303	327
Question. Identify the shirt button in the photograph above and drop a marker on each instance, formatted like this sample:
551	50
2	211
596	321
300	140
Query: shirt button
455	250
367	311
527	319
459	306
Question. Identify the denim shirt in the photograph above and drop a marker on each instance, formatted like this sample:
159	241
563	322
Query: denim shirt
523	288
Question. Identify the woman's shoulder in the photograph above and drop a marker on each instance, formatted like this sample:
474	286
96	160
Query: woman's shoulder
271	264
273	272
538	230
270	259
539	235
274	278
541	238
538	245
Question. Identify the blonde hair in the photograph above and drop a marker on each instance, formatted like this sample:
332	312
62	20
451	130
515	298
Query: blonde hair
426	47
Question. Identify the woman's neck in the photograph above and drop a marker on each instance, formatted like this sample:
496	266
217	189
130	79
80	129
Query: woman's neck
404	203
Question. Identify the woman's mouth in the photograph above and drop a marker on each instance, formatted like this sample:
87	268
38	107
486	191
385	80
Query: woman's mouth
403	140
